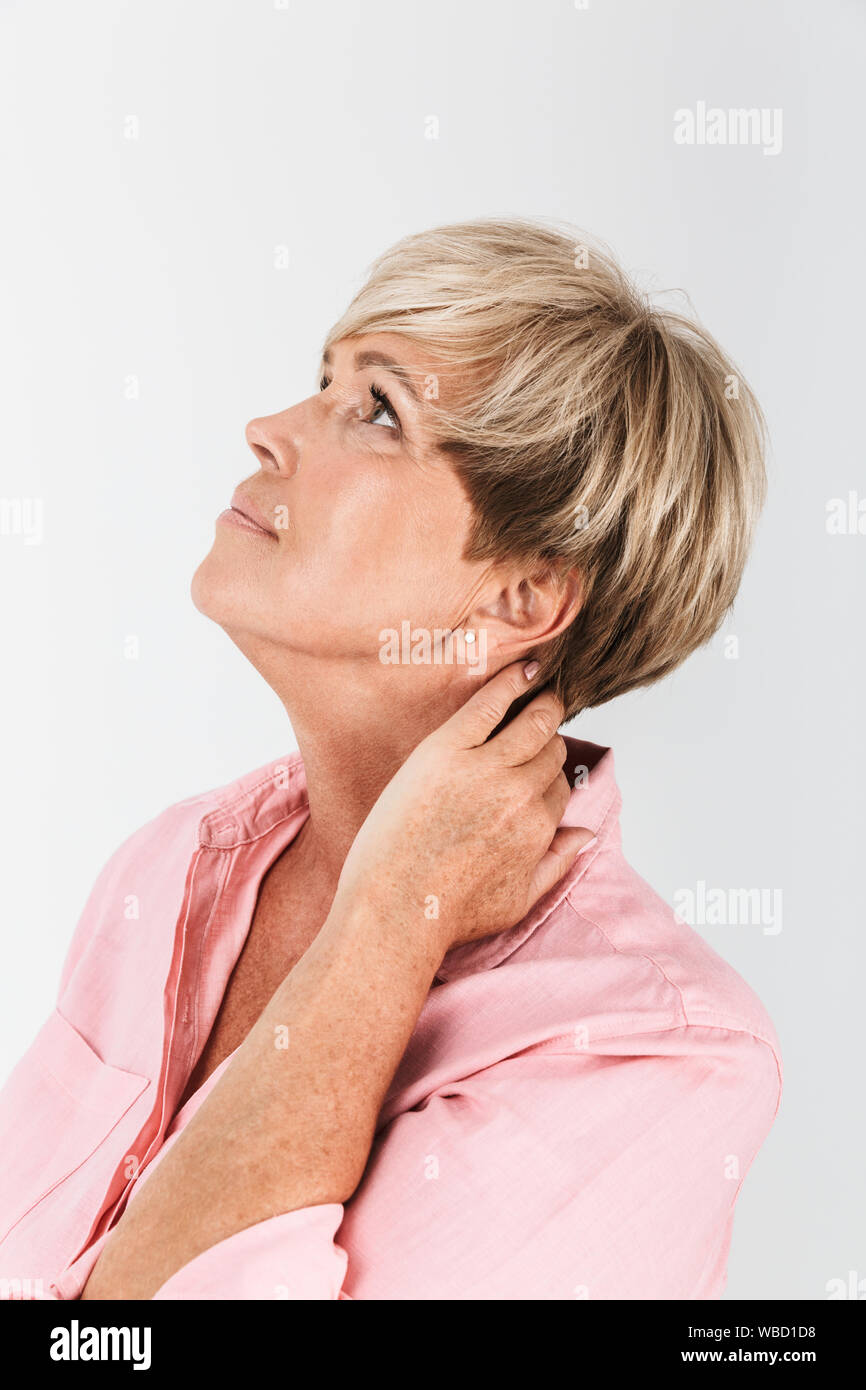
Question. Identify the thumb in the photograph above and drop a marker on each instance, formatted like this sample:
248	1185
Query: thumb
565	846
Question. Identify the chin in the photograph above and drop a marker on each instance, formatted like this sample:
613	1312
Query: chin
201	587
216	592
219	592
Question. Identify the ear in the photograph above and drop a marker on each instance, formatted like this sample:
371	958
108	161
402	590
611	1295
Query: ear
520	610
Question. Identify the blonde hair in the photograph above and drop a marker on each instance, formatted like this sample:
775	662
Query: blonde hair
596	432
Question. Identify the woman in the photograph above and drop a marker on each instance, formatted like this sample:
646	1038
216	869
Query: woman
393	1017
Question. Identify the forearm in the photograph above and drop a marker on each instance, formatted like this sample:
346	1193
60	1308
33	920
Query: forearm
291	1121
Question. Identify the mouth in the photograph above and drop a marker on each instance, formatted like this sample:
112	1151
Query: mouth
246	516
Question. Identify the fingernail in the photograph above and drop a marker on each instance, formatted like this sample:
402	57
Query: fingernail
589	844
531	668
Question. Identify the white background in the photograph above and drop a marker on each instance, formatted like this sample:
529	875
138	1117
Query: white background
304	127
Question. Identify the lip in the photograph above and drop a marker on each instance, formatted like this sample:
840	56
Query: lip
244	513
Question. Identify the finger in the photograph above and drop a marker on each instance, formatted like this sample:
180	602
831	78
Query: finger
530	730
564	849
557	797
546	766
475	721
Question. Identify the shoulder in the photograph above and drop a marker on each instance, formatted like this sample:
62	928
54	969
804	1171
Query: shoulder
648	984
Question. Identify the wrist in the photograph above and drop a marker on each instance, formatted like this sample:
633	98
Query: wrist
375	921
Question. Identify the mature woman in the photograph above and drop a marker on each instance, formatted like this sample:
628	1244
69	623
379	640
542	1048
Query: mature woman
393	1017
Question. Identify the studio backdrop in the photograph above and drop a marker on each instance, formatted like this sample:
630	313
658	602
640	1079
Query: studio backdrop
192	192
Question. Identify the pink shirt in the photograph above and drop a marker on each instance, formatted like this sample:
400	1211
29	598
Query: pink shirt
573	1117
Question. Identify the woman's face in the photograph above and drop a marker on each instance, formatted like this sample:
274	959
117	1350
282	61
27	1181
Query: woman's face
363	525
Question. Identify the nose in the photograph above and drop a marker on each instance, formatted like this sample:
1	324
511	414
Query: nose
273	440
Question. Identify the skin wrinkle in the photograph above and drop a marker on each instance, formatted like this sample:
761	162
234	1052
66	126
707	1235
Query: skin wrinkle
373	544
423	777
375	541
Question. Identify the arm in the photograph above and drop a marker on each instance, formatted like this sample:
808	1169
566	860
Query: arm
551	1175
287	1129
607	1173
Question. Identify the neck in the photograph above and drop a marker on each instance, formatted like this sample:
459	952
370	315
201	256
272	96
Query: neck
355	725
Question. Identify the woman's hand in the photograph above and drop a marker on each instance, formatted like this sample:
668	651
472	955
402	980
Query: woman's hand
464	838
466	824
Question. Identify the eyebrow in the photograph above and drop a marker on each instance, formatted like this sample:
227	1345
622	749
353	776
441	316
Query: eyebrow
368	358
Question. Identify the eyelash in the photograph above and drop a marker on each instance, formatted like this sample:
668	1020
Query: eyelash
380	399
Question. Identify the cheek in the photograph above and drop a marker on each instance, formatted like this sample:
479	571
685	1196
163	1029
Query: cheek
366	524
368	548
383	560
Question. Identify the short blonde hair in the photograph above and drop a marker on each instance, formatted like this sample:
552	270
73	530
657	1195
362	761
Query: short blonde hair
597	433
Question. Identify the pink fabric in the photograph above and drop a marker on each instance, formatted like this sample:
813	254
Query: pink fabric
574	1115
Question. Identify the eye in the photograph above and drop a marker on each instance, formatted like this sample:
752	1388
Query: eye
383	408
382	412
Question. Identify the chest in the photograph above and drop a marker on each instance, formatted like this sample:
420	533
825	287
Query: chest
287	917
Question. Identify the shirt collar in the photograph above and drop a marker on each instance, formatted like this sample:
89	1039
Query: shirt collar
275	795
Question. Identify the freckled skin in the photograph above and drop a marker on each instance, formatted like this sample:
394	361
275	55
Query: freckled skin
371	527
409	794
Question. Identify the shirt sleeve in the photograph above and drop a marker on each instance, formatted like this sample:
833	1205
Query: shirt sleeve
292	1256
549	1175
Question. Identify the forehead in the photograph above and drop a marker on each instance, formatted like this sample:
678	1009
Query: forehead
430	375
408	352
